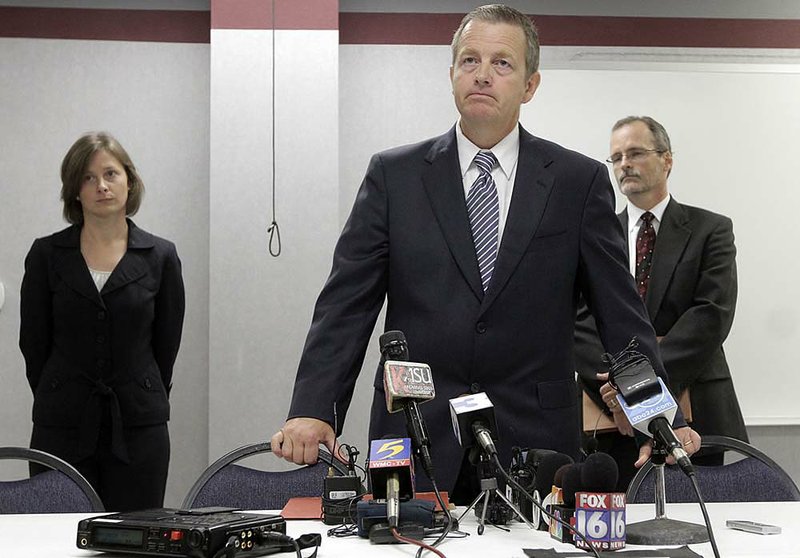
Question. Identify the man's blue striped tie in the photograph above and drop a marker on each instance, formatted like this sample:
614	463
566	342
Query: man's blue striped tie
483	209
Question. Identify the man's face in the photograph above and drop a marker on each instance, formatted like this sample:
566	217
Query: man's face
489	76
641	169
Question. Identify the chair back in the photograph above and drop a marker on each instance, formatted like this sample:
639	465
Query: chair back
224	483
755	478
60	490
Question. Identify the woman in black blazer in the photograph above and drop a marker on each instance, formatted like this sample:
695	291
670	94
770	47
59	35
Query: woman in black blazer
102	307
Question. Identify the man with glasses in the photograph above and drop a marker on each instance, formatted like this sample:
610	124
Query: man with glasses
684	261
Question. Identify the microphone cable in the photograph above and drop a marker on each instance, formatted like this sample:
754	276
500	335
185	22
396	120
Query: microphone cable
421	544
448	521
515	484
693	477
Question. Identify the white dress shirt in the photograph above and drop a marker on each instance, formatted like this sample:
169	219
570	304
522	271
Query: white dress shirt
507	153
635	223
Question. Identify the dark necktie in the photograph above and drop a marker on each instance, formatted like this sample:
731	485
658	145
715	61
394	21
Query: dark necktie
645	242
483	209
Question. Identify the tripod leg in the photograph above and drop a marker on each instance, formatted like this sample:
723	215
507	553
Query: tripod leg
482	520
471	506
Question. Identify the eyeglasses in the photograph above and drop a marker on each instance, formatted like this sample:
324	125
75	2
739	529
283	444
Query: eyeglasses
633	155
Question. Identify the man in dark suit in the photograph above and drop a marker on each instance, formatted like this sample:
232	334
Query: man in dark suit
424	234
689	292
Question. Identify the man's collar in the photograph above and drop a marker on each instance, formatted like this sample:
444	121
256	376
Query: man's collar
506	151
635	213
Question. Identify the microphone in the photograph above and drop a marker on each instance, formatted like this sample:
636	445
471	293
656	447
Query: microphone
653	417
406	383
565	511
391	474
393	346
545	478
599	509
474	422
600	473
646	401
558	479
591	504
572	483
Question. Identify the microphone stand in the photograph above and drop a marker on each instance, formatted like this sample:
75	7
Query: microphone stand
488	483
661	530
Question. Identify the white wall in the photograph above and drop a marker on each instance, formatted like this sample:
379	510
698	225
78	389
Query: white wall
197	121
260	305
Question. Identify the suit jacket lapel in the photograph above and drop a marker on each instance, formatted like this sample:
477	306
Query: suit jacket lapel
445	191
132	266
673	236
68	263
532	186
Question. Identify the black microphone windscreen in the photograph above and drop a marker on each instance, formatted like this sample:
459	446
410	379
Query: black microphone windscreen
546	472
392	336
558	478
534	457
393	345
571	484
600	473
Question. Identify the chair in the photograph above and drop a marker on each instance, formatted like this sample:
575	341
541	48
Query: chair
225	484
60	490
755	478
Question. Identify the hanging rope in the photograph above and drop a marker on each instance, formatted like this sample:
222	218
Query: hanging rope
273	230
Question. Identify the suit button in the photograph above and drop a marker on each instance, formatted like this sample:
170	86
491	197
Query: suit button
480	327
101	315
54	383
147	383
100	339
475	388
100	363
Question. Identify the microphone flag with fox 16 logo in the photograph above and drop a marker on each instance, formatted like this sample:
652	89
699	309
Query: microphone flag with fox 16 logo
600	517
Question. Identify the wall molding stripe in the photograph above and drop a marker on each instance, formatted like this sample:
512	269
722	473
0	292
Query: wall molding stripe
437	29
180	26
168	26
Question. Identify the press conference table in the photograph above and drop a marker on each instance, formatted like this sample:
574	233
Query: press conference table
53	535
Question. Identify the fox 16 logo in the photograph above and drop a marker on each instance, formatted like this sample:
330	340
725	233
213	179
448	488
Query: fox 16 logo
600	517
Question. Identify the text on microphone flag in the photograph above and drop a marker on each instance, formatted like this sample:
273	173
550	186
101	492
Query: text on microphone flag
390	453
600	518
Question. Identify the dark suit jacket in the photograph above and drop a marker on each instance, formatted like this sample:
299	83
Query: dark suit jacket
408	240
84	349
691	299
